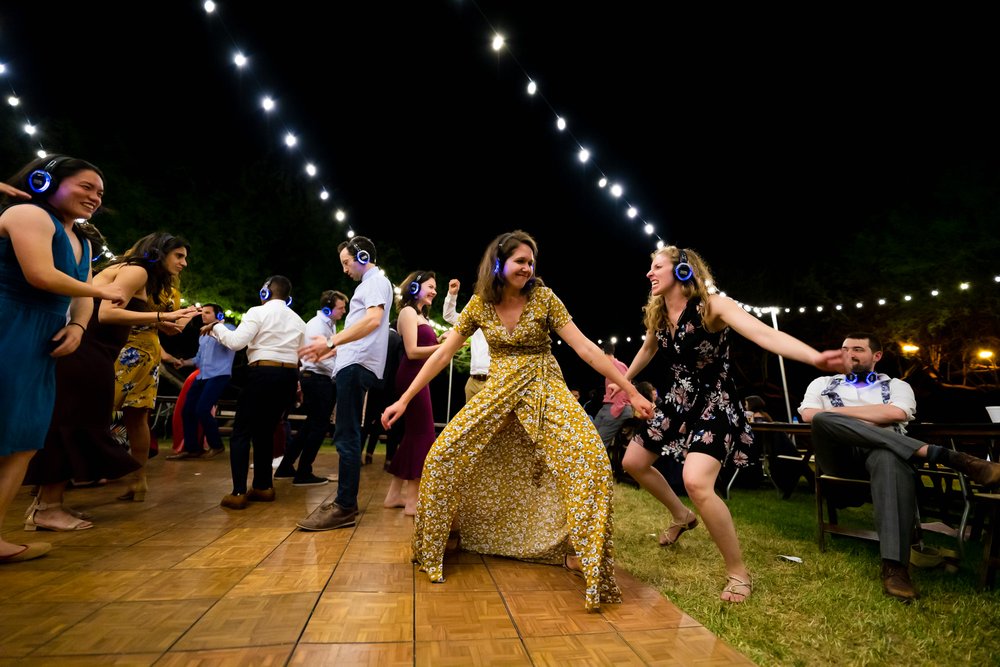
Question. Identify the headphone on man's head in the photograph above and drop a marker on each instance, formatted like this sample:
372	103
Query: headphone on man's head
503	239
326	306
682	270
870	378
42	180
265	293
415	284
221	316
360	254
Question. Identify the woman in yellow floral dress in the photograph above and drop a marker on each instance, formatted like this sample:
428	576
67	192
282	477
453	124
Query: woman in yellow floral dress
521	464
137	368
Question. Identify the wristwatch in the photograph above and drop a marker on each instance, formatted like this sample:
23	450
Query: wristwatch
329	343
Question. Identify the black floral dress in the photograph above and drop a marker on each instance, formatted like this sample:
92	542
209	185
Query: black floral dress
699	411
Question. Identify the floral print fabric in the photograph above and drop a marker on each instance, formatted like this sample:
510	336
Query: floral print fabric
521	464
700	410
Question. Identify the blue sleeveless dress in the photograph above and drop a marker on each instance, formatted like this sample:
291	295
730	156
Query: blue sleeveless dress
31	317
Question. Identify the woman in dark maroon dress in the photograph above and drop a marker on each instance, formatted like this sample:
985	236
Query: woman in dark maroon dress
417	293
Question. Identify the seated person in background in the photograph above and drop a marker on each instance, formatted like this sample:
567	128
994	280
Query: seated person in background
755	407
858	431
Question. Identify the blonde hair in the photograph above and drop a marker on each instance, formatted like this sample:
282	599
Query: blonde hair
701	285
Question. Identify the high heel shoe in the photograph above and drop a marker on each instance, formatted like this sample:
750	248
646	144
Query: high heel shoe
31	520
136	492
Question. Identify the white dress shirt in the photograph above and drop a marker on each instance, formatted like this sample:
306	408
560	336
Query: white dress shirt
321	325
270	332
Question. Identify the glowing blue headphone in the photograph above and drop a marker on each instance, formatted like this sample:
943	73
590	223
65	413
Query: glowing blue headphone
870	378
415	284
221	316
682	270
360	254
503	239
42	180
265	293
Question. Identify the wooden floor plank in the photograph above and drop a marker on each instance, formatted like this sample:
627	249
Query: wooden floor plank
178	580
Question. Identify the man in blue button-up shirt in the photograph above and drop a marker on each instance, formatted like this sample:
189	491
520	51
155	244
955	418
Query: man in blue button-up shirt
214	362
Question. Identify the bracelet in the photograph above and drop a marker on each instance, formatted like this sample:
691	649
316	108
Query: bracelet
78	324
157	316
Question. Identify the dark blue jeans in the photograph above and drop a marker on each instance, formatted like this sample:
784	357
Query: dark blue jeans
353	382
201	398
318	395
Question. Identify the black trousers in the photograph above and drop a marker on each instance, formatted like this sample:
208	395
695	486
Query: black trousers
319	393
268	392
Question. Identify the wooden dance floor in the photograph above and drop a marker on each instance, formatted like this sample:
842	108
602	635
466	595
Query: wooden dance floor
177	580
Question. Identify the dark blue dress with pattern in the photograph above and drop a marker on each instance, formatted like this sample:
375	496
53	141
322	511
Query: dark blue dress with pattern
700	410
30	317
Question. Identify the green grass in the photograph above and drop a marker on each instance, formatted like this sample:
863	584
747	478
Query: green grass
828	610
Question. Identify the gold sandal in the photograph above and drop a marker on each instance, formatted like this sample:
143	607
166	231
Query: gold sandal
665	540
738	583
31	521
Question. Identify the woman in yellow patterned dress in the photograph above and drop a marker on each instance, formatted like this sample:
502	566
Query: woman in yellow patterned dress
137	368
521	464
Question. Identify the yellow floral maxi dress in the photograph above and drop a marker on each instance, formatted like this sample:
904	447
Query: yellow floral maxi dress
521	464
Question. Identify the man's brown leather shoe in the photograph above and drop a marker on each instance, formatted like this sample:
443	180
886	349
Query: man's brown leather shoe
979	471
896	581
261	495
234	501
329	516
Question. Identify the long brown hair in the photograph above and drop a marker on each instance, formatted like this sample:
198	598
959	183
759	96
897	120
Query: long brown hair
148	252
490	282
702	285
409	298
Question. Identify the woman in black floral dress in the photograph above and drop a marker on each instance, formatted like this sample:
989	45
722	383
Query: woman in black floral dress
700	420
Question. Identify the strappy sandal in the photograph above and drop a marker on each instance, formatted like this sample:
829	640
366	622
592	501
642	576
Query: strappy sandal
31	521
736	582
680	527
79	514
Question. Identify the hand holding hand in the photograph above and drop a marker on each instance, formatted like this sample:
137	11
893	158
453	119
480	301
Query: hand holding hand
642	407
207	328
174	315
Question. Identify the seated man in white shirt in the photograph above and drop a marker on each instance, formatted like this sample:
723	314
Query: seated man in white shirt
272	333
858	431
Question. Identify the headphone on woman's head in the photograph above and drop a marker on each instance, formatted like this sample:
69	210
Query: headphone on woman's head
42	180
265	293
682	270
503	239
415	284
870	378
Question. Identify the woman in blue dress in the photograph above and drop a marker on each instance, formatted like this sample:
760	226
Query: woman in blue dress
700	419
46	300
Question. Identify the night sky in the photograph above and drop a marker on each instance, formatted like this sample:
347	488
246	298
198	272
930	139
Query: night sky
762	139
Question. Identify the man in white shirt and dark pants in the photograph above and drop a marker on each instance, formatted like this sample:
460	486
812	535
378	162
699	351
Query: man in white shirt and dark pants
319	393
272	333
479	349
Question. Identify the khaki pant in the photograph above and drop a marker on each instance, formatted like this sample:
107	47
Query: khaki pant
473	387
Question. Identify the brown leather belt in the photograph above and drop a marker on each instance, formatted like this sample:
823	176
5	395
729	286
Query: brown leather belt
481	378
268	362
